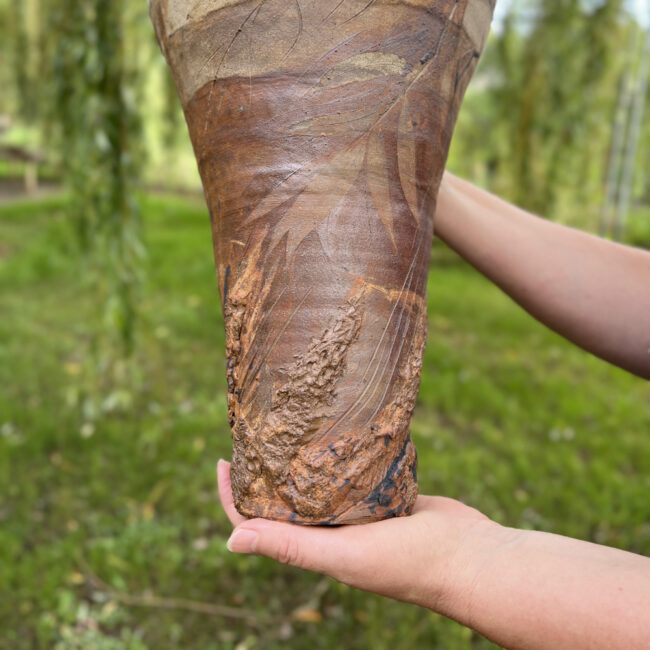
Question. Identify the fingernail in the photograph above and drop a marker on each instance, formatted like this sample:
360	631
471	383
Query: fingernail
242	541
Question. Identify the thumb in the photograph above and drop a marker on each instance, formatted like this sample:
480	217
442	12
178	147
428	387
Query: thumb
325	550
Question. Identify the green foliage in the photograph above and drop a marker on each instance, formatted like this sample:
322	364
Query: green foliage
511	419
537	123
172	112
98	128
20	55
20	42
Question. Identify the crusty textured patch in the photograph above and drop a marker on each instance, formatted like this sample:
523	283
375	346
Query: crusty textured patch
298	406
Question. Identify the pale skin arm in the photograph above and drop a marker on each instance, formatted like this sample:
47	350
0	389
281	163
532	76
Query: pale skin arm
521	589
594	292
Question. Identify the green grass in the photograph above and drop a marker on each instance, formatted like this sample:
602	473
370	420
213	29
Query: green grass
511	419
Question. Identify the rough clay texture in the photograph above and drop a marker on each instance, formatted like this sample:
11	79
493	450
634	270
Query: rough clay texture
321	130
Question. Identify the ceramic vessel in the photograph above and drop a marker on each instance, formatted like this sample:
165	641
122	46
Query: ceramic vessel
321	130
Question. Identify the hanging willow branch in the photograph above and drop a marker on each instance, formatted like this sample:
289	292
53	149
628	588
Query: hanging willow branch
98	128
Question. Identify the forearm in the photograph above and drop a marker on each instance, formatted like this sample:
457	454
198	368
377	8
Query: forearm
531	590
594	292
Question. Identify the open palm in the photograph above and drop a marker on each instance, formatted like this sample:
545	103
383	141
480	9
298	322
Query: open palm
407	558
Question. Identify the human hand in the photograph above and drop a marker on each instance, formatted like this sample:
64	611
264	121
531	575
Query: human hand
421	559
521	589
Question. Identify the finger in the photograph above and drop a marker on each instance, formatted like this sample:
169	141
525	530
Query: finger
225	493
333	551
381	557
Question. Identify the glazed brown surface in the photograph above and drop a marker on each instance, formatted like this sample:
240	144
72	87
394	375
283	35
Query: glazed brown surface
321	130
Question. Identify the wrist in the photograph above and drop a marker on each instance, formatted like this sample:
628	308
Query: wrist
476	548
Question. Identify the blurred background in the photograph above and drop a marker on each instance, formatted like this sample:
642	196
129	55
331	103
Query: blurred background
112	371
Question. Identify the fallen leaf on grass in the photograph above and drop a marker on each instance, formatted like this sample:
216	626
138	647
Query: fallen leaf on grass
307	615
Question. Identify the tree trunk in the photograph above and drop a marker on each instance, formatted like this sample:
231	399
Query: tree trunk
321	130
633	137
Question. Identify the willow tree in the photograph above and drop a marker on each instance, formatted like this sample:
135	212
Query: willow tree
21	56
321	130
6	72
633	136
541	119
98	134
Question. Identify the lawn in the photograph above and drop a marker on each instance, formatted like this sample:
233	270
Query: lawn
105	516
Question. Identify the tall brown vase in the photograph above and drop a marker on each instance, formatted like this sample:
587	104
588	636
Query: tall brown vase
321	130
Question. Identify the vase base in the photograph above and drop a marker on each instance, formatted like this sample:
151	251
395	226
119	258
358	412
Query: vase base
393	496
